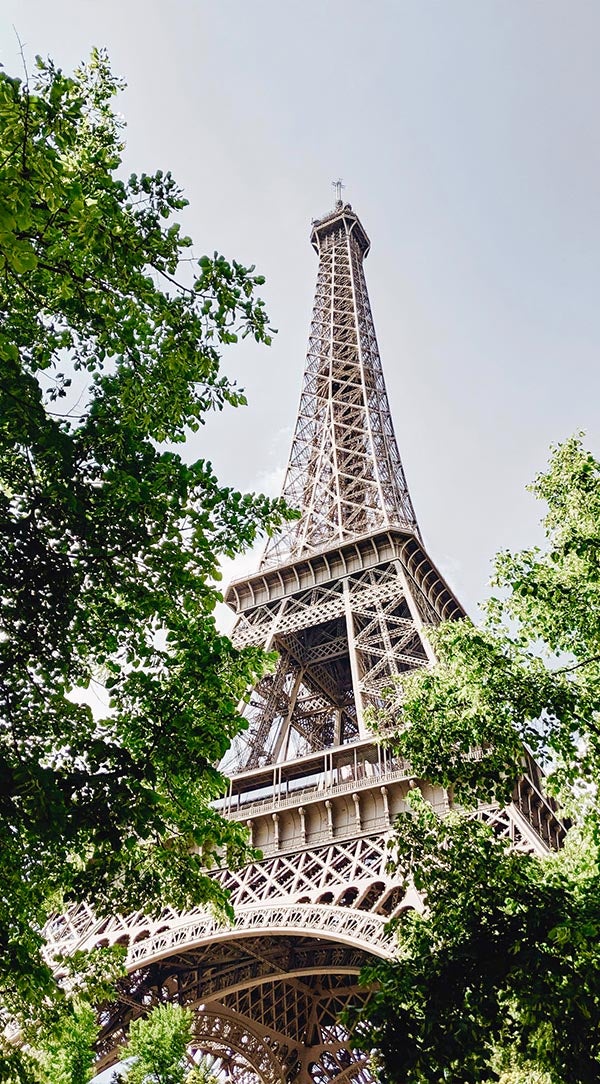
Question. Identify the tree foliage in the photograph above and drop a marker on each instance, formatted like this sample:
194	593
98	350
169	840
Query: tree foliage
58	1037
156	1050
499	979
158	1046
110	353
67	1055
531	675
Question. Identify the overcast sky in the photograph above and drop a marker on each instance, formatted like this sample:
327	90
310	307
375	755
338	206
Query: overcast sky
466	132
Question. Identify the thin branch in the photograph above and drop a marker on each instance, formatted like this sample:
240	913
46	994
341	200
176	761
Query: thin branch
578	665
179	285
27	103
10	154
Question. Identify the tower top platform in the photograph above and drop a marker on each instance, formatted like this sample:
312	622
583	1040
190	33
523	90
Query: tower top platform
343	216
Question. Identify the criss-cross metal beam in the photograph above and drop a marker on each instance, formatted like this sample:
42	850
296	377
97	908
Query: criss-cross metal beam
344	472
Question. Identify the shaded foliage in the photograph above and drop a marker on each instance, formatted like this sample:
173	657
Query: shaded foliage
110	346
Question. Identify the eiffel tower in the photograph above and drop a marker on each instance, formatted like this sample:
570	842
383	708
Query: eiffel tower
344	595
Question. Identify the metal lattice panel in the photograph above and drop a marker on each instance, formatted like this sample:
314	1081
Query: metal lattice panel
341	646
270	1014
330	870
344	471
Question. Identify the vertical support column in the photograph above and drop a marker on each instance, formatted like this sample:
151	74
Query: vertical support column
357	817
329	809
414	612
354	664
280	747
302	815
386	804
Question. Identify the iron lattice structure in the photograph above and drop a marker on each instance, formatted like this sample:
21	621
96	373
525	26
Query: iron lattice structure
344	473
345	595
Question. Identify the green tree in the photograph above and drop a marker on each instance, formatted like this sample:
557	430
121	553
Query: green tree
531	675
67	1054
158	1046
59	1039
499	979
110	353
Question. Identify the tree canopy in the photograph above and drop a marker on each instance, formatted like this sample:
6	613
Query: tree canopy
157	1049
499	979
111	339
531	674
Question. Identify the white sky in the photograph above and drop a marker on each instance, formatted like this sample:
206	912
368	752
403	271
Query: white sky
466	132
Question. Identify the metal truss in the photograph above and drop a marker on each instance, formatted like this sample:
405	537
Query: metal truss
308	892
275	1016
339	891
345	595
344	641
344	471
268	990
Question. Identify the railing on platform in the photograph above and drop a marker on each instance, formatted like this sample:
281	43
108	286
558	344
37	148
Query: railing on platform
239	810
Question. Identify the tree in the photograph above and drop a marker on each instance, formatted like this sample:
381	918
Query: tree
156	1050
69	1055
110	346
531	675
499	979
158	1046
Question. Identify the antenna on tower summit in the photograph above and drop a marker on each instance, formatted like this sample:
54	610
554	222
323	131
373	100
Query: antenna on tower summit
338	185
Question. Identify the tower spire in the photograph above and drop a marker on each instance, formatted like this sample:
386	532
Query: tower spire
344	473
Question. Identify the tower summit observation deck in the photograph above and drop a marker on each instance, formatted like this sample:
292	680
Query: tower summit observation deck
344	595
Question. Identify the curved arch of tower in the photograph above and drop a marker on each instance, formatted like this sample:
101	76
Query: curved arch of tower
344	594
